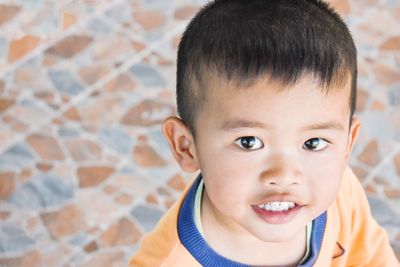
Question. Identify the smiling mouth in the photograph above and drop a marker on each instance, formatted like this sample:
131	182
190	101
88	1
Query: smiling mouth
277	206
277	212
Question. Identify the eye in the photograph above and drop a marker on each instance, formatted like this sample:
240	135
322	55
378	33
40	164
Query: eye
315	144
249	143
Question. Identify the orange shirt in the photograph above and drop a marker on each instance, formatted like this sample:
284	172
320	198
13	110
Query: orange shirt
351	237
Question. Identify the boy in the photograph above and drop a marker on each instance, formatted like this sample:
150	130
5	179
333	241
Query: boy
266	92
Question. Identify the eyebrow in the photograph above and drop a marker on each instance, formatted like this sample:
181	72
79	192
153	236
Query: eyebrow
240	123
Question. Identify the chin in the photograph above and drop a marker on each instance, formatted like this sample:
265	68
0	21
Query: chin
277	234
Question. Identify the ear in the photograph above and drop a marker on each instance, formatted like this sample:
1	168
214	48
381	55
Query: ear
181	143
353	134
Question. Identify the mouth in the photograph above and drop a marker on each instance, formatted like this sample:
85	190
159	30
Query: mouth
277	206
277	212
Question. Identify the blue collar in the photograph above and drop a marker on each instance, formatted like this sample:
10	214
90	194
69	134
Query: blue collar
198	247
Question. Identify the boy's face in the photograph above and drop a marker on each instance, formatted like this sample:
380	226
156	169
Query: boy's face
266	144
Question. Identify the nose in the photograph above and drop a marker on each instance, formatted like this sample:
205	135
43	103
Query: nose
281	173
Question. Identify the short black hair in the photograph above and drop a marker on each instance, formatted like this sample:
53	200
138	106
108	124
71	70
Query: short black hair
243	40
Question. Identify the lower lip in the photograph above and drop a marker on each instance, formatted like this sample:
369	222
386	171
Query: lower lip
277	217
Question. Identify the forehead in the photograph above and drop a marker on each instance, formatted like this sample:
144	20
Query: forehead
271	101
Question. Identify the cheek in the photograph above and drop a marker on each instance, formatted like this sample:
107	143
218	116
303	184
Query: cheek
228	183
326	182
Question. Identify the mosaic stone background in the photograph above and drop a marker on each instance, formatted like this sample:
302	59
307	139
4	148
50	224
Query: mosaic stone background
84	86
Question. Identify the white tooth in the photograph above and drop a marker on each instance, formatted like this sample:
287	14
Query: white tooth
291	204
285	205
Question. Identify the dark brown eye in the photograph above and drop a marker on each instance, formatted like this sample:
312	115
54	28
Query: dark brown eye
249	142
315	144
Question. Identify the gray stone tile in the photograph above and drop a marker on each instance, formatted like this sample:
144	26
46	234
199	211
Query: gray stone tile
42	191
99	26
147	75
64	82
117	139
68	132
16	157
147	216
14	239
383	213
394	96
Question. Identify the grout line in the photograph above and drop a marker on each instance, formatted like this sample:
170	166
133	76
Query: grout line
90	89
387	158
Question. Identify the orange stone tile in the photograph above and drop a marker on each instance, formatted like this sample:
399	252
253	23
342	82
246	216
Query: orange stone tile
149	19
93	175
7	12
29	259
377	106
342	6
21	47
67	221
105	258
381	180
362	98
5	104
4	215
58	121
392	44
163	191
7	184
185	12
370	154
44	166
176	40
177	183
72	114
147	113
138	46
46	147
152	199
20	127
392	193
362	68
93	74
360	173
371	189
397	163
84	150
68	20
112	49
169	202
110	189
386	74
124	199
70	46
25	175
124	232
32	223
146	156
91	247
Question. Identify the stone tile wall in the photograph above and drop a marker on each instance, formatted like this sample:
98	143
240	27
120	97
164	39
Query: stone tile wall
84	86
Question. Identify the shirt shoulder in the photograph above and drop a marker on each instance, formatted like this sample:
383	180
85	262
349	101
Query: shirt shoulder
352	236
162	247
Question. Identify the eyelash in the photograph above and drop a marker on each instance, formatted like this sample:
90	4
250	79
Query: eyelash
241	142
319	138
